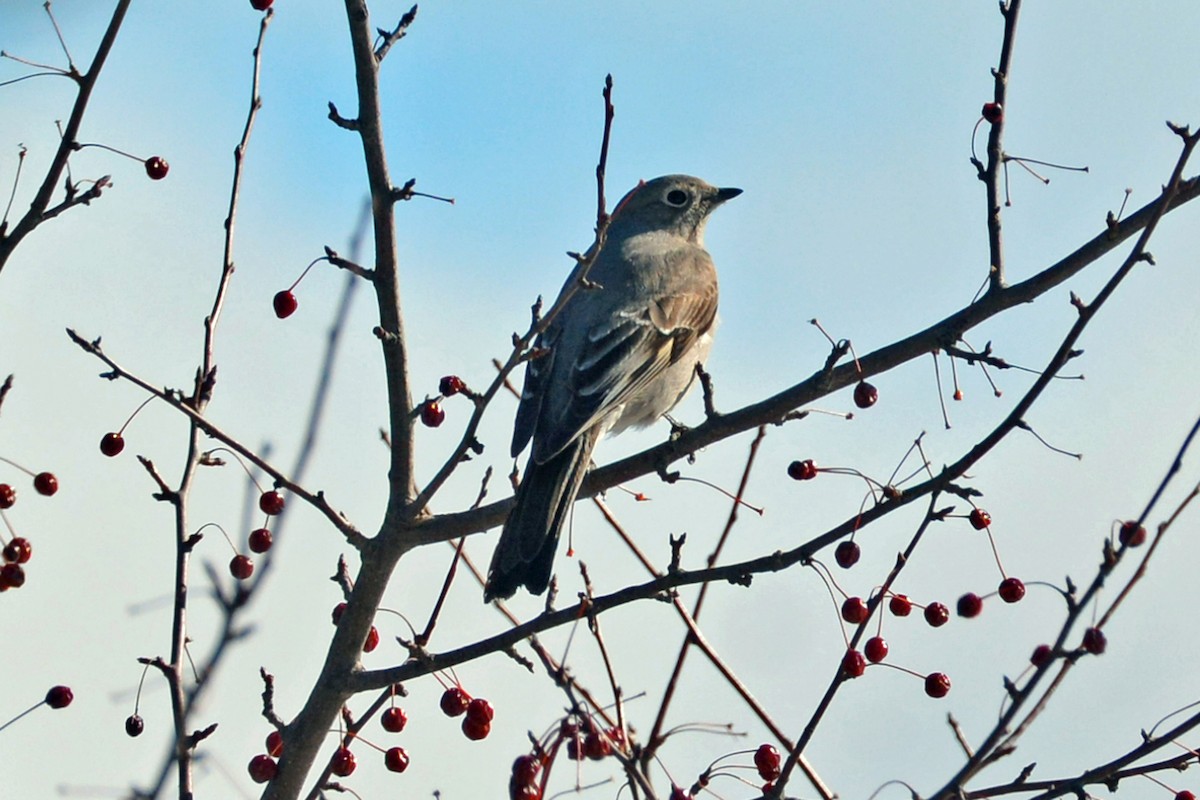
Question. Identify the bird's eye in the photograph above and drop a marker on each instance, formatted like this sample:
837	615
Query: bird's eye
677	197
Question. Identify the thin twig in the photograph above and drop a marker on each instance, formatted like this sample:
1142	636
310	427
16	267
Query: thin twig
655	738
37	214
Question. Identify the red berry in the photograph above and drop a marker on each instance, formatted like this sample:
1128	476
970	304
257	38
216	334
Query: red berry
846	554
970	605
937	684
275	743
432	414
343	762
1184	794
1132	534
804	470
285	304
8	496
134	725
12	576
393	720
18	550
111	444
679	794
45	483
260	540
261	5
767	762
854	610
1094	641
992	112
262	768
454	701
157	167
979	519
475	729
241	567
271	503
451	385
876	649
338	610
59	696
900	605
1011	590
525	769
396	759
480	710
372	640
936	614
574	749
865	395
853	664
596	747
1041	655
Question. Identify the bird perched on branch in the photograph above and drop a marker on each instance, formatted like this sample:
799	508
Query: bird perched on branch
618	355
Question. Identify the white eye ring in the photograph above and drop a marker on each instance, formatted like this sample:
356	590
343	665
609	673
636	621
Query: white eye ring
676	197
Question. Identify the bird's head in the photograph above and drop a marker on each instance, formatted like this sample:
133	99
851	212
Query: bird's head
678	204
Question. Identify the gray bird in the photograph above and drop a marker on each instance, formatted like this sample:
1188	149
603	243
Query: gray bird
618	356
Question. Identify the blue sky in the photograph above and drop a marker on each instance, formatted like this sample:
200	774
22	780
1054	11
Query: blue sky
848	126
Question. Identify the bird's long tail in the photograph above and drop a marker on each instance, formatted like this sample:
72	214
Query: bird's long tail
525	552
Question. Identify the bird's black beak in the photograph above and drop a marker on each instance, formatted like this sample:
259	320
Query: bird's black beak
727	193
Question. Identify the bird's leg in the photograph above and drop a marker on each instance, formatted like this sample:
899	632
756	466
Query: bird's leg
677	428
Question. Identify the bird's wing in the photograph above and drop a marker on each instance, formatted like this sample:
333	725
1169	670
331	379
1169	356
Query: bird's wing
617	357
537	373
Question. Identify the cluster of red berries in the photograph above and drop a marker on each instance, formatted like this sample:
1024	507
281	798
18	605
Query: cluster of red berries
432	413
476	712
855	611
263	767
589	741
854	664
18	550
241	566
768	763
1010	590
583	739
